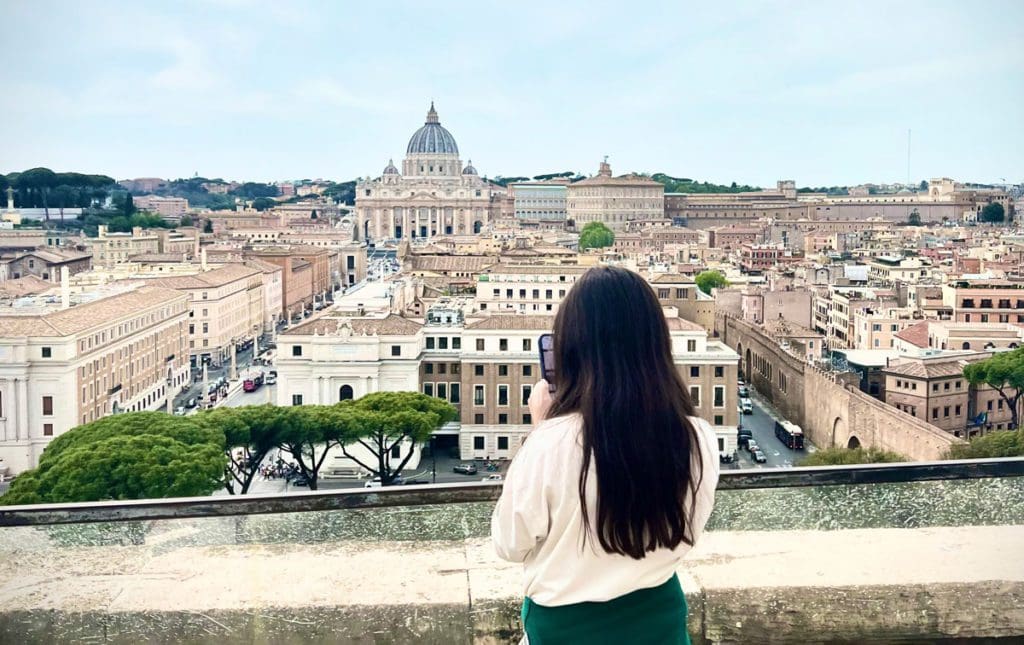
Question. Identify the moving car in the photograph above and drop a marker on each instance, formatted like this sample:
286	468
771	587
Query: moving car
271	378
465	469
180	410
492	478
375	482
743	391
758	456
746	405
191	403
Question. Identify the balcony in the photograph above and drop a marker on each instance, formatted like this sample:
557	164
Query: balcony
881	553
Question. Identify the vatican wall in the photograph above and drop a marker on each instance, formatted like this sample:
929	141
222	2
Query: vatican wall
830	411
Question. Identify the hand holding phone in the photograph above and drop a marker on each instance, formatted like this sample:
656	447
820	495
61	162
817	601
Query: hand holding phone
547	359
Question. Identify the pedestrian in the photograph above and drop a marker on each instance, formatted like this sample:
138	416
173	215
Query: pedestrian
599	520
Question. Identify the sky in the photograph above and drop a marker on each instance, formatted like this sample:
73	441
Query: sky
820	92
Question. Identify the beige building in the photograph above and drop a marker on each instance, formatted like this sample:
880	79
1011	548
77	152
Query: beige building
225	309
109	350
434	194
109	249
615	201
526	288
169	208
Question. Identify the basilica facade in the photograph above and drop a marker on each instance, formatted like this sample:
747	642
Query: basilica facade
434	194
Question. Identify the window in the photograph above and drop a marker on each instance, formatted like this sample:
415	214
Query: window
396	451
430	343
296	399
442	343
428	368
48	406
502	395
503	419
935	387
945	386
945	411
442	368
456	343
345	393
47	429
694	371
502	370
527	370
695	395
502	443
527	417
719	371
396	350
479	344
957	410
456	391
503	344
527	391
479	442
478	419
719	420
527	344
663	293
428	389
935	413
442	391
478	370
691	345
719	396
47	352
478	395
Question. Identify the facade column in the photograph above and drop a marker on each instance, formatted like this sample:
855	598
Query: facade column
234	363
378	225
21	428
392	227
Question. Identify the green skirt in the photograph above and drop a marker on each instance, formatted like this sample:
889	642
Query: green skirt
655	615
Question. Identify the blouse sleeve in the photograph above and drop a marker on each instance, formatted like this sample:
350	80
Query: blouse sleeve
520	520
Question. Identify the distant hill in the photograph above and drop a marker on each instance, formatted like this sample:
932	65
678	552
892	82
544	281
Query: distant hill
685	185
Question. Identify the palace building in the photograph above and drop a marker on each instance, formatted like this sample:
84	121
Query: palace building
434	194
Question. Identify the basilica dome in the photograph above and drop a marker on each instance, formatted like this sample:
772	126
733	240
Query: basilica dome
432	138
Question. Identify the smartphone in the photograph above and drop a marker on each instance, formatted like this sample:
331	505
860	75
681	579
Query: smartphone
547	359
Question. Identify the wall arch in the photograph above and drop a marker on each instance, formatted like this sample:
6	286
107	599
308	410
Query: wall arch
345	393
853	443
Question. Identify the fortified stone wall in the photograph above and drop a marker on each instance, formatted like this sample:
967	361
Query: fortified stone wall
831	412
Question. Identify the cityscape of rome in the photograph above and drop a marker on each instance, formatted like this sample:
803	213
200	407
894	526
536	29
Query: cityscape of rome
241	406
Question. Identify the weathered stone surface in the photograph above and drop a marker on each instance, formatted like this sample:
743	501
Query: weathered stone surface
863	585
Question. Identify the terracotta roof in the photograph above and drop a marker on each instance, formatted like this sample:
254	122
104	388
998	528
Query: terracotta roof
28	285
672	278
916	334
933	367
513	322
58	256
214	278
332	325
65	322
159	257
471	263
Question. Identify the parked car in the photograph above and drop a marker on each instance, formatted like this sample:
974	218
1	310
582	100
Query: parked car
465	469
492	478
743	391
300	480
375	482
752	446
415	481
191	403
271	378
744	435
758	456
180	410
746	405
726	457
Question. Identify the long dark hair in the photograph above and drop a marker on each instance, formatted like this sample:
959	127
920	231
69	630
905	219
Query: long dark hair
613	366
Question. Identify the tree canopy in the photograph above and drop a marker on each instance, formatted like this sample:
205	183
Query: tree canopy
914	219
686	185
993	212
250	434
263	203
127	456
595	235
1004	372
708	280
389	425
850	456
1001	443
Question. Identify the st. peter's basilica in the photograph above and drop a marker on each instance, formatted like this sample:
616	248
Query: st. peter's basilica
434	194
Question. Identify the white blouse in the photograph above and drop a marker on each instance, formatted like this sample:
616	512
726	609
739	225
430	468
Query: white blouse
538	520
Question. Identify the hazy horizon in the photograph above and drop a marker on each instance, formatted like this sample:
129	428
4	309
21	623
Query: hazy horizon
751	93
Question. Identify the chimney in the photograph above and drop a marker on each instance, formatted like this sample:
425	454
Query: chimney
202	259
65	288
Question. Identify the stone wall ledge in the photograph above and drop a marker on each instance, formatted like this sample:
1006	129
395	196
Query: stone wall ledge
956	584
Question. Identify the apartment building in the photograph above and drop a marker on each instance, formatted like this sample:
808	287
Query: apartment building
109	249
46	263
306	273
876	328
758	258
485	367
169	208
985	300
734	237
225	309
527	288
932	387
108	351
888	270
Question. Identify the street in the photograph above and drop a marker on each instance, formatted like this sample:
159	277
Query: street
762	425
